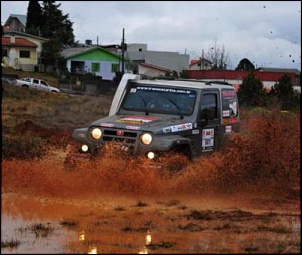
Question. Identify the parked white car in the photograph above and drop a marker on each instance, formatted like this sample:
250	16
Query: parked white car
34	83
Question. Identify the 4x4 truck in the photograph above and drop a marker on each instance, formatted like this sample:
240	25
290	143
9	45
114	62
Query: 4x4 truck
153	117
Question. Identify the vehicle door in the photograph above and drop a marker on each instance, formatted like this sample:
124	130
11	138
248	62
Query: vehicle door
208	122
44	86
35	83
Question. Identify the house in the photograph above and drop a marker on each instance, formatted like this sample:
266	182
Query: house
19	49
15	23
92	59
200	64
22	51
138	53
150	71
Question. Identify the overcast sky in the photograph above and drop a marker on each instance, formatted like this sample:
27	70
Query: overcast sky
268	33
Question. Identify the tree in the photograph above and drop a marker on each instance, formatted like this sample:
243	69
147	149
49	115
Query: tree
251	92
245	65
35	20
56	24
58	29
283	90
218	56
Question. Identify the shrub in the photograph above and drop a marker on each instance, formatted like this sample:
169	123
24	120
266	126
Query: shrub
23	146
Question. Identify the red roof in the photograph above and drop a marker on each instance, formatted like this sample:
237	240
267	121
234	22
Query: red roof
20	42
155	67
196	61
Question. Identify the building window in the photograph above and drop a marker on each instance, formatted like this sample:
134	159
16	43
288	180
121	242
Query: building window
95	67
24	54
114	68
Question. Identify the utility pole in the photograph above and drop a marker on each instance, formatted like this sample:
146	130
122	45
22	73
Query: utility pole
123	52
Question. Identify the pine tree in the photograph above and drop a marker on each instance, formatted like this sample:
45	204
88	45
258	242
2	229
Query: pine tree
56	24
284	91
35	20
58	29
251	92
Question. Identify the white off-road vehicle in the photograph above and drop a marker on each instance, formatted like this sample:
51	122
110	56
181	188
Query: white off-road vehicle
156	116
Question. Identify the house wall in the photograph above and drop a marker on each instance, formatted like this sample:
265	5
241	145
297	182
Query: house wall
236	77
167	60
150	72
203	66
36	41
84	63
15	25
14	56
105	67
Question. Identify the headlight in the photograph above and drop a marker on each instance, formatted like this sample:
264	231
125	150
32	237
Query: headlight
146	138
96	133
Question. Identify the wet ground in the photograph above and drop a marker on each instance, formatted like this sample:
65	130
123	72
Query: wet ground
115	205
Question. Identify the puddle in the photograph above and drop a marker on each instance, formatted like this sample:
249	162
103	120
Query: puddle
31	238
98	226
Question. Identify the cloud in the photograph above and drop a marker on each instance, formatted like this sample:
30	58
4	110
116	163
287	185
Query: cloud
266	32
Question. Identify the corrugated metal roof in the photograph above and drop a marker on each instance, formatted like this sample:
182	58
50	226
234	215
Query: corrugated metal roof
74	51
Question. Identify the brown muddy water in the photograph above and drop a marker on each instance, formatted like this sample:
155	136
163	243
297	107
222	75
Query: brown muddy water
118	205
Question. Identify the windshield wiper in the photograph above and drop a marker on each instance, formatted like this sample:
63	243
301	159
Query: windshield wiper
145	104
180	112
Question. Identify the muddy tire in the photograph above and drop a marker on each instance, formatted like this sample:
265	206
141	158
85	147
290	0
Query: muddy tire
173	163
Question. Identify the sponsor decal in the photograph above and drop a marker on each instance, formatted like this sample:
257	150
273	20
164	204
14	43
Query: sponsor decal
177	128
233	120
107	125
167	130
233	107
226	113
195	131
133	127
137	120
180	91
226	121
228	129
207	139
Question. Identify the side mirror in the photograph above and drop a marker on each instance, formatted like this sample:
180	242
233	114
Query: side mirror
208	114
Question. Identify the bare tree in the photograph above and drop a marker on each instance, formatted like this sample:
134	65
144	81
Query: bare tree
218	55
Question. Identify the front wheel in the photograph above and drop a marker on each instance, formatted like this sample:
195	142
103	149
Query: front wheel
172	163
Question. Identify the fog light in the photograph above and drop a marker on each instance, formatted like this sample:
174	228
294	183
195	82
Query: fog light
84	148
151	155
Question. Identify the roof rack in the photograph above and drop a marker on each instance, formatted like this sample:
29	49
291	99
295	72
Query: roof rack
218	83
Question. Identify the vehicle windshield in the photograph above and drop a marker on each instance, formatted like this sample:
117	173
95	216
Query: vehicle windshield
155	99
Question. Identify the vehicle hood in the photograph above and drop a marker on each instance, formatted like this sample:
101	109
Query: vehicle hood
156	124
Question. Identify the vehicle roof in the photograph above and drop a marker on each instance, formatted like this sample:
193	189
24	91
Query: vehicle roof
192	84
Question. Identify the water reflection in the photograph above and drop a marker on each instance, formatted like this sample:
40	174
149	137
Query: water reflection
91	249
31	236
148	241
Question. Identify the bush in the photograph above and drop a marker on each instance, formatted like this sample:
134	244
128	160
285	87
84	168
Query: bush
23	146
